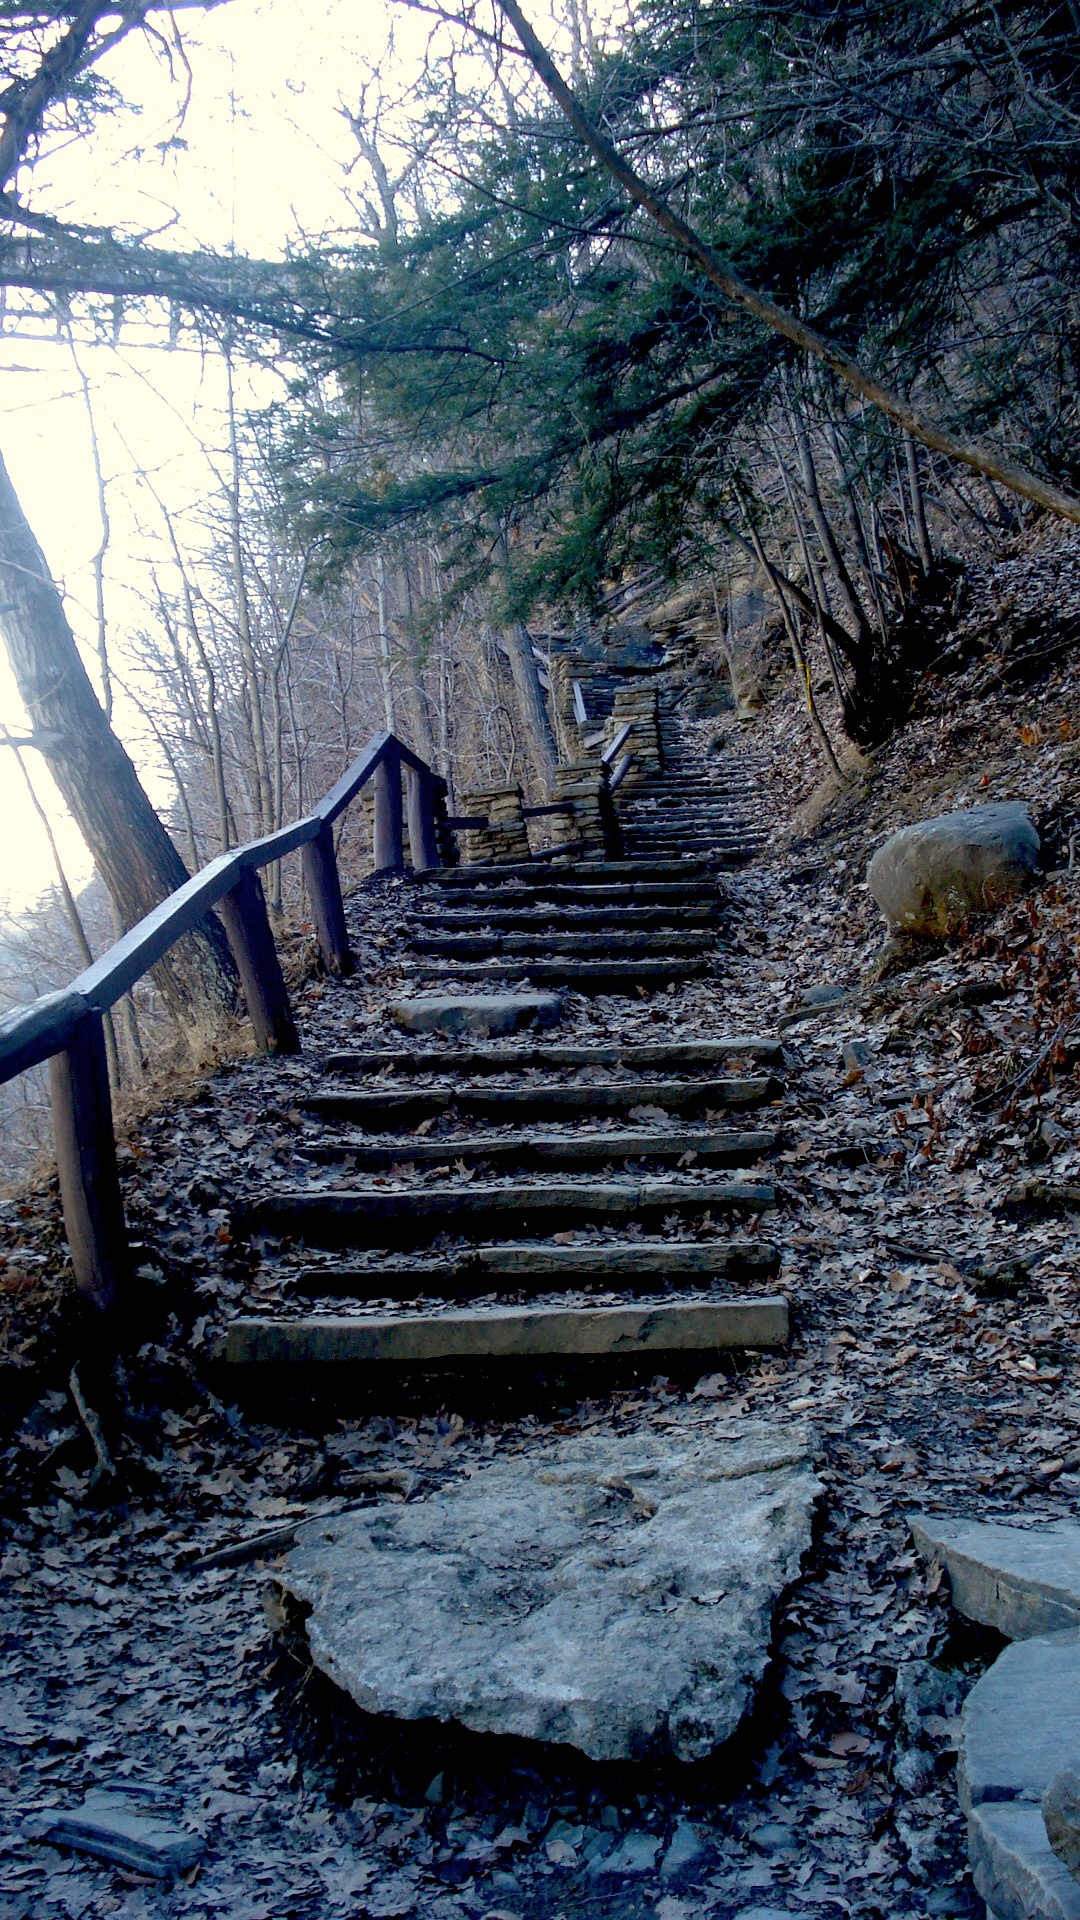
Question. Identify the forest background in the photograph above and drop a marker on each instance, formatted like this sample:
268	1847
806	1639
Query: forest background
370	388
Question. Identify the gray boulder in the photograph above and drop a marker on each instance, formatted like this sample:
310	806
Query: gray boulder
929	877
611	1592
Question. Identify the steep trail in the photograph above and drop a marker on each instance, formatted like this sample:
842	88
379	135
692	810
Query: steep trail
836	1799
694	805
546	1199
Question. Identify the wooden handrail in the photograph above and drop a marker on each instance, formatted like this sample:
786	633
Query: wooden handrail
28	1035
617	744
620	772
66	1028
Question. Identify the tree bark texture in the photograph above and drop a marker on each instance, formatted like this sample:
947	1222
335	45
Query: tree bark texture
95	774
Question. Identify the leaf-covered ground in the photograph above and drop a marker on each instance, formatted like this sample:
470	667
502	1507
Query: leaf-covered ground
928	1183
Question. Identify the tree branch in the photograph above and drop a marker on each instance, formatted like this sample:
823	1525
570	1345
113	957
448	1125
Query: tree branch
980	459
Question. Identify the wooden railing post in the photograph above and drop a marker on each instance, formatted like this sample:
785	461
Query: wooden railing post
323	883
423	844
86	1164
243	909
388	852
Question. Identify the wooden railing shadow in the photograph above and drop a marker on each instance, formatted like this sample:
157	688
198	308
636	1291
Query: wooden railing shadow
67	1028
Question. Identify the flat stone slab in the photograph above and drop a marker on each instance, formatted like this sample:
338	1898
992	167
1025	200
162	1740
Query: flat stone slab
1021	1722
484	1014
110	1826
1014	1868
1021	1580
489	1333
609	1592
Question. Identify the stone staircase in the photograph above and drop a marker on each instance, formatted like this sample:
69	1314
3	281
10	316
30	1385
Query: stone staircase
471	1198
690	808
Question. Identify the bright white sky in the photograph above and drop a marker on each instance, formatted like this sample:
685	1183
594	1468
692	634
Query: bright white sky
268	154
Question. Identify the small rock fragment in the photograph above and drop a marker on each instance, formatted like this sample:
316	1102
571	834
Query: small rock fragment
685	1853
107	1827
477	1013
634	1854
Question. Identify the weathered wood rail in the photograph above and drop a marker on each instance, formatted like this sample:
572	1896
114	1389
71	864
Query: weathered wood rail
67	1028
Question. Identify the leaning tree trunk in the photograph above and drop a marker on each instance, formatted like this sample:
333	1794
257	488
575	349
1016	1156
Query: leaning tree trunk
532	713
94	773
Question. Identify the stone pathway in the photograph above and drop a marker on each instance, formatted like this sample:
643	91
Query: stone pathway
540	1201
152	1662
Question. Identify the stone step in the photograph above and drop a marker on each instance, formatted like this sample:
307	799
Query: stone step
546	943
581	976
676	1056
662	834
581	872
379	1216
720	820
388	1108
518	1266
710	1147
693	893
413	1339
575	919
726	834
682	800
678	786
731	799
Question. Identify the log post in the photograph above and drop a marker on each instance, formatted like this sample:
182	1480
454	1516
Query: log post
323	883
388	851
86	1164
423	844
243	909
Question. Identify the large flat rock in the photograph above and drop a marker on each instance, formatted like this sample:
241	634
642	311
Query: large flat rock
484	1014
609	1592
1021	1580
1013	1866
1019	1729
1021	1722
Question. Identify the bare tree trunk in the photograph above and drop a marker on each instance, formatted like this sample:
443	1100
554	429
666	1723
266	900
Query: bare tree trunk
539	741
74	917
815	584
98	558
213	724
386	665
918	508
423	740
243	622
802	670
837	564
94	773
